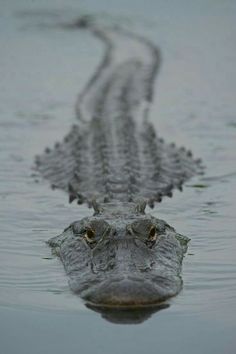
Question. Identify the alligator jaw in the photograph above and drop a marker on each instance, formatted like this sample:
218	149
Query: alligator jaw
131	294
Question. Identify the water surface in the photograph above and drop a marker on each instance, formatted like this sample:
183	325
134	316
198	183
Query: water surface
42	70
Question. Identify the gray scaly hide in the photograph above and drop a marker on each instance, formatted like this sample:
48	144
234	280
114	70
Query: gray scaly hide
113	153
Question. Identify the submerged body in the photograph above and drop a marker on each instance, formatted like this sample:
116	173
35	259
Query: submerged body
114	161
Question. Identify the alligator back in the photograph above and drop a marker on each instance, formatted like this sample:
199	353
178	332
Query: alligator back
114	153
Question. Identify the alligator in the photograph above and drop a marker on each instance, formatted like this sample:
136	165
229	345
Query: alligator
113	160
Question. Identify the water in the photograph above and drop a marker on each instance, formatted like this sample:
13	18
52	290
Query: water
42	70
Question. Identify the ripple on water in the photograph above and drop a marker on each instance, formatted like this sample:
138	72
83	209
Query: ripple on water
31	213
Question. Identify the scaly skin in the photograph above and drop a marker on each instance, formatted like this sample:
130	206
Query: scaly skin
120	256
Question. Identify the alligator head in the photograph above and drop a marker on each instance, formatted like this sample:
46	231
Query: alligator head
121	257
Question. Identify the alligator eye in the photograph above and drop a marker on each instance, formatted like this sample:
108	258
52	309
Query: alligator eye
90	236
152	234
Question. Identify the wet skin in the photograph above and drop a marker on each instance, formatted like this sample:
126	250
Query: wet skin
122	259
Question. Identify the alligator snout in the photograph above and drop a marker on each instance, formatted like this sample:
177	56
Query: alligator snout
125	293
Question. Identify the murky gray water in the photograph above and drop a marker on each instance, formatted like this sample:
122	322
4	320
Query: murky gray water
42	70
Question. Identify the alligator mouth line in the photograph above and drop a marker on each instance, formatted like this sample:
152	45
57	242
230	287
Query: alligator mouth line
128	315
137	306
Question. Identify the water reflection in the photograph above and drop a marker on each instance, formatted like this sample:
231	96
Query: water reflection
127	315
